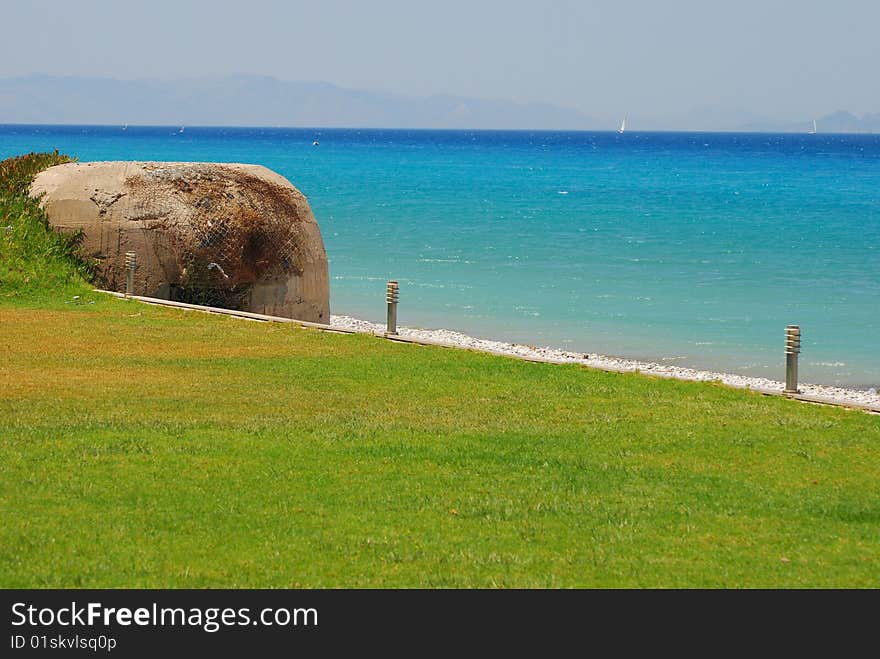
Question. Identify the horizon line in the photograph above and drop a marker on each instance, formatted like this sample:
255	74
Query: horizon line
432	129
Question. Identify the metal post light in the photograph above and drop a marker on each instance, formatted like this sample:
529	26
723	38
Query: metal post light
392	294
792	349
130	267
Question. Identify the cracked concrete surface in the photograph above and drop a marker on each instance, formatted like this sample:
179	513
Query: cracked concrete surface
184	220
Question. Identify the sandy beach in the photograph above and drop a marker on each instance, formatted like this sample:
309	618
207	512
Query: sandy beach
868	398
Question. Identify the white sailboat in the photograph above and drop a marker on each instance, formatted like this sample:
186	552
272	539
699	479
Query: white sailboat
622	126
812	131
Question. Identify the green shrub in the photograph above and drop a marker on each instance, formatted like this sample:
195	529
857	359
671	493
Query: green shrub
35	260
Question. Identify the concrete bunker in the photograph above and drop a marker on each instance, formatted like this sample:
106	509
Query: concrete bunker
229	235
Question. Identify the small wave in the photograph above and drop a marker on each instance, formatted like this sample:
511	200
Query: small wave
827	363
562	192
356	278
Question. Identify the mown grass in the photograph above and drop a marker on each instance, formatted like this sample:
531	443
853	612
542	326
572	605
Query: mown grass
144	446
152	447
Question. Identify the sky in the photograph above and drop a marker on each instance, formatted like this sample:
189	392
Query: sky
777	60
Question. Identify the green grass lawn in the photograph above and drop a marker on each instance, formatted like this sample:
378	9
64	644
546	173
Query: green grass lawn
144	446
151	447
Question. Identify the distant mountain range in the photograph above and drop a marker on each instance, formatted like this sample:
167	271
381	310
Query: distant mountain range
836	122
248	100
245	100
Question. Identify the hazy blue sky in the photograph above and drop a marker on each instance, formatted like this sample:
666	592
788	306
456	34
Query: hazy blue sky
778	59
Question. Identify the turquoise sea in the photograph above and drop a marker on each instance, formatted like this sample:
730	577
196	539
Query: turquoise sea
688	248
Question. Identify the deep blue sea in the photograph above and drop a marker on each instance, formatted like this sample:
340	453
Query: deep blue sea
688	248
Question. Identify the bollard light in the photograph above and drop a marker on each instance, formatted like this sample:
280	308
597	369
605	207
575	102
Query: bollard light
792	349
392	293
130	267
